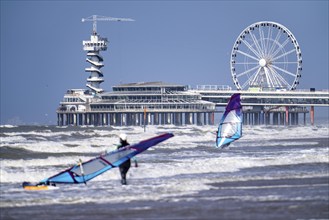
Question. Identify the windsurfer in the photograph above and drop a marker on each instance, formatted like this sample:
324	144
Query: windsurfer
124	167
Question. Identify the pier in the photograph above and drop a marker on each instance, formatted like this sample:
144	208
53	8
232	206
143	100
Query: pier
159	103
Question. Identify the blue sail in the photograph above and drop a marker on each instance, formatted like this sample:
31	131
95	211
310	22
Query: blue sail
83	172
230	125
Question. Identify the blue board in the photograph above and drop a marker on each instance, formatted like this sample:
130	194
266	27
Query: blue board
83	172
230	125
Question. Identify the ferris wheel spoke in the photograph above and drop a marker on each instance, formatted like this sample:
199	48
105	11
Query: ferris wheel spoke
247	82
274	43
274	77
268	77
247	71
262	40
284	54
247	63
283	70
281	47
257	44
285	62
253	77
280	77
283	81
251	49
247	55
269	36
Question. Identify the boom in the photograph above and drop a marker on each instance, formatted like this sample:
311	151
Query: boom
95	18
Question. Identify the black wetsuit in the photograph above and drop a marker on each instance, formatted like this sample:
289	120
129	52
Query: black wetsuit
125	166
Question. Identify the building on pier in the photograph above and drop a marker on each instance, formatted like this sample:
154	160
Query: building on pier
136	104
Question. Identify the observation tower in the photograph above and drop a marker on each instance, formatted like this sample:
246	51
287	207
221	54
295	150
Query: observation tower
93	48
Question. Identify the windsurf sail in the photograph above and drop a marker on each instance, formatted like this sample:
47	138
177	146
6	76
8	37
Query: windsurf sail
85	171
230	125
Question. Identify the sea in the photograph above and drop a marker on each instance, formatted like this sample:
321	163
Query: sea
272	172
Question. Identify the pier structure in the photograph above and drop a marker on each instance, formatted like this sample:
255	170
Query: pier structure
136	104
159	103
270	107
266	73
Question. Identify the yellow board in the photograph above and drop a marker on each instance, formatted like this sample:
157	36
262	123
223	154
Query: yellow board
40	187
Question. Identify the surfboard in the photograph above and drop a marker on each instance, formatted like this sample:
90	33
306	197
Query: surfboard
34	187
85	171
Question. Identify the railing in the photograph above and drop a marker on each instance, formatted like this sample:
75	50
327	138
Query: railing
213	87
289	98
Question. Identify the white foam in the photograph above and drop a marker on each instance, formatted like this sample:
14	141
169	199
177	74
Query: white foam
8	126
165	171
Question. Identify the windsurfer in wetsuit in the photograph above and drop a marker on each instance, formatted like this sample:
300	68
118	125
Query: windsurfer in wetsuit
124	167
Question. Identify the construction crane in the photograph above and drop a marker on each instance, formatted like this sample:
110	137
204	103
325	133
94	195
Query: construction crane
95	18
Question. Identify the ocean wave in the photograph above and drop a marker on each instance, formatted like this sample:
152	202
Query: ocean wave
8	126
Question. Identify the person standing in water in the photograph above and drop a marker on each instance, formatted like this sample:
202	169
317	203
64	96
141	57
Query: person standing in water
124	167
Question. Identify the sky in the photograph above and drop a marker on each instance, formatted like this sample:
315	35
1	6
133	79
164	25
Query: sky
183	42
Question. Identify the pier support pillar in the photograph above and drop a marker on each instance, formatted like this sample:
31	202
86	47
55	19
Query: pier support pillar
199	118
136	119
156	119
124	119
312	115
83	119
104	119
281	118
87	120
178	118
287	115
245	118
296	118
267	118
149	118
111	119
292	118
67	119
204	118
261	117
162	119
256	118
168	118
211	118
92	117
60	119
189	118
118	120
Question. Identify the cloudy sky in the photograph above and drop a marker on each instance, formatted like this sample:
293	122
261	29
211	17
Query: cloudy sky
184	42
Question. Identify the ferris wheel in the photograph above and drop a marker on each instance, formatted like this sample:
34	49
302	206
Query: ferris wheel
266	56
